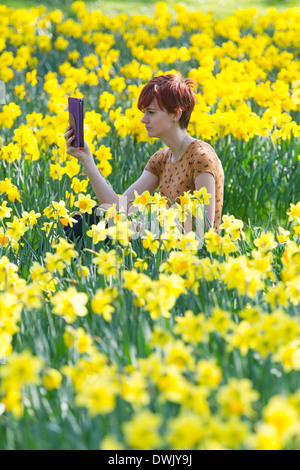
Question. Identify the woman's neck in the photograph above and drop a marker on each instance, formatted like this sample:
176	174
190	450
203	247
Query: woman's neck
178	143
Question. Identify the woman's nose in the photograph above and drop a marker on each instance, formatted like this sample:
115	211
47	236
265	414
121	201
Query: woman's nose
144	119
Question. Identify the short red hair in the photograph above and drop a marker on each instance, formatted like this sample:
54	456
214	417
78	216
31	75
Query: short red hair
172	92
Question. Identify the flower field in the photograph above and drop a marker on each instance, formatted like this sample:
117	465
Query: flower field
140	340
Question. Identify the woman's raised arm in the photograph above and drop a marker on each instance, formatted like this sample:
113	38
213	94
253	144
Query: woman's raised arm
104	192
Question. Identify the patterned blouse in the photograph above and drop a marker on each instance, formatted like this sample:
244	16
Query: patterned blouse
176	178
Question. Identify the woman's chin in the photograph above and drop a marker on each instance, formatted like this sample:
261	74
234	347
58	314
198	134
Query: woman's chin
151	133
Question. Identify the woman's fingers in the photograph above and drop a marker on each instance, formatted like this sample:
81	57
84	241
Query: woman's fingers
81	153
73	151
68	130
69	137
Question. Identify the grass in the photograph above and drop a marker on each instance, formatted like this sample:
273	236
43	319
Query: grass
220	8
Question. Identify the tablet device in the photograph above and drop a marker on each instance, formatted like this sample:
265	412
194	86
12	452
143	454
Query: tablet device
76	120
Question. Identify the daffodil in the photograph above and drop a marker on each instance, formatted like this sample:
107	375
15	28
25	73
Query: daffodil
30	218
65	250
102	302
12	191
279	413
186	431
237	397
107	263
16	228
265	242
294	212
5	211
78	338
70	304
54	263
134	389
98	232
85	203
98	394
233	227
191	327
52	379
143	431
23	368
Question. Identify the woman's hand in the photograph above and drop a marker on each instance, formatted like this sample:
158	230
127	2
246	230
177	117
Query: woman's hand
83	154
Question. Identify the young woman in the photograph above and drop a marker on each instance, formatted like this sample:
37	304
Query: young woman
186	164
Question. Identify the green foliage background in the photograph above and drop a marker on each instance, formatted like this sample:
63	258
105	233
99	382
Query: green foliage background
112	7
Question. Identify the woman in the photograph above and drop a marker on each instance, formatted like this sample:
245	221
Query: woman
187	164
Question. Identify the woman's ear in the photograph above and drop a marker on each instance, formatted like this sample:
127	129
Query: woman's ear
177	114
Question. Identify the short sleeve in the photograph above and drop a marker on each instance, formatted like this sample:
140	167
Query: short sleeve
205	161
154	163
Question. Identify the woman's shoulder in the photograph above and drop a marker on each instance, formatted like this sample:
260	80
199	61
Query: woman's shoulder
157	161
163	151
203	148
205	159
161	154
204	152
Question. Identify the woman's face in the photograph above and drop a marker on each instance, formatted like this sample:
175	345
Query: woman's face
158	122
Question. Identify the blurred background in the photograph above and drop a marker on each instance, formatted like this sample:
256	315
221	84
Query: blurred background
220	8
